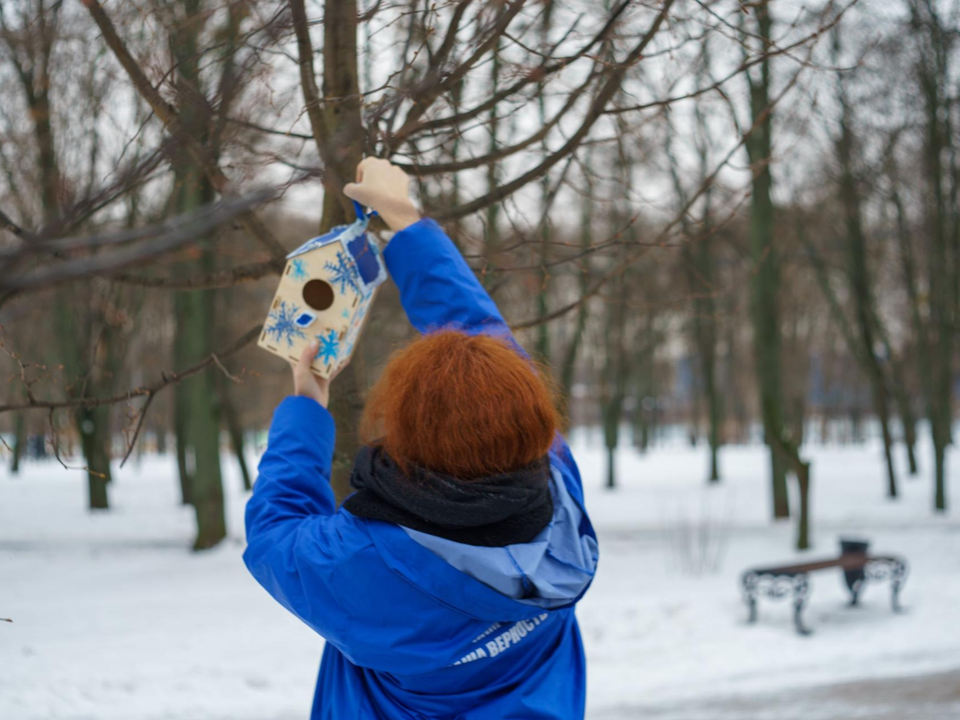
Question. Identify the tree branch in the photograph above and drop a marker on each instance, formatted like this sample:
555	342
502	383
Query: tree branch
605	94
431	88
166	379
167	237
535	76
220	279
9	225
171	120
308	80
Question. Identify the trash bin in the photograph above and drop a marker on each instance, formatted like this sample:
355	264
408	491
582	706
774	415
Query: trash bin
854	577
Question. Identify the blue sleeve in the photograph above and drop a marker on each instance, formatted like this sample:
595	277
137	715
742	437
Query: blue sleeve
293	549
437	287
439	290
294	472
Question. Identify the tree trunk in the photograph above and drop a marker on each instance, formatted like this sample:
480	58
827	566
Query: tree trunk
612	412
569	365
905	410
734	394
160	432
80	368
94	425
542	351
942	268
705	303
616	368
201	422
200	408
184	451
700	263
181	399
908	265
613	379
696	391
611	458
196	330
645	413
858	273
803	523
19	442
345	133
454	229
940	459
491	239
901	396
765	279
207	483
234	428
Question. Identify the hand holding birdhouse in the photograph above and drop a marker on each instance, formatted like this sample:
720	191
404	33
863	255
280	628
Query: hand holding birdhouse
386	188
305	383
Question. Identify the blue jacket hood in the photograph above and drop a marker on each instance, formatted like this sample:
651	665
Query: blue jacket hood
551	571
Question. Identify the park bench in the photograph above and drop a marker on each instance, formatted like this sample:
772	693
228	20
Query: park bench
858	568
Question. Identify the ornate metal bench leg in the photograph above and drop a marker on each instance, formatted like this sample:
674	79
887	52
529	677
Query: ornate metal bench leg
894	569
897	575
750	595
801	589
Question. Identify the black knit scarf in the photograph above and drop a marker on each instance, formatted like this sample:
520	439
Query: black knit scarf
490	511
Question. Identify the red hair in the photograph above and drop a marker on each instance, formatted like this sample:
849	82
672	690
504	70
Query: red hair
464	405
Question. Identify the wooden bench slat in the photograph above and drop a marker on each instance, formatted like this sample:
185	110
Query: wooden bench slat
847	562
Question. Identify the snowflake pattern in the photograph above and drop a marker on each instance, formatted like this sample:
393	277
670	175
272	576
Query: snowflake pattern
284	326
342	273
329	346
298	269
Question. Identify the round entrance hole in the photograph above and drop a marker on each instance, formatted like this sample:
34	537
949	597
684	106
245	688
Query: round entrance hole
318	294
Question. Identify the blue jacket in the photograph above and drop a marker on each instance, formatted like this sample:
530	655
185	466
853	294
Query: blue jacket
417	626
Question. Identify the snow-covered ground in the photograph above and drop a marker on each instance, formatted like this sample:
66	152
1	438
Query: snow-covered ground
114	618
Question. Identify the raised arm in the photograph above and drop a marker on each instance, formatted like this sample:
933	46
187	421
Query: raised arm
293	480
289	516
437	287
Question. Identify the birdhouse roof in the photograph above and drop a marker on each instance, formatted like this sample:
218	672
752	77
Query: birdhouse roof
363	253
342	233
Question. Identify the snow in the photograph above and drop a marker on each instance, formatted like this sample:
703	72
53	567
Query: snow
115	618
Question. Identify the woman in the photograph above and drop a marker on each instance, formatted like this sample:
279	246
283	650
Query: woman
445	586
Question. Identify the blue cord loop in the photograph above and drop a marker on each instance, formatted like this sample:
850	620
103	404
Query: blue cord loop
361	213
